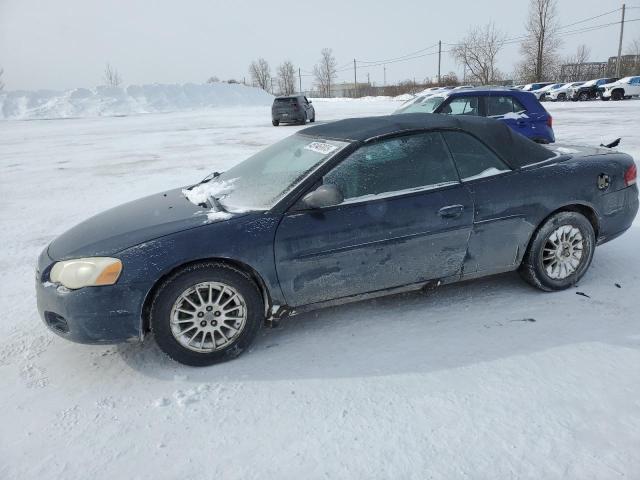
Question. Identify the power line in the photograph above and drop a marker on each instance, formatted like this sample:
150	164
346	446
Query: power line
400	57
589	19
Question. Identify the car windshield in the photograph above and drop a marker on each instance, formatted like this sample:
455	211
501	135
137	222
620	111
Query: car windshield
263	179
426	105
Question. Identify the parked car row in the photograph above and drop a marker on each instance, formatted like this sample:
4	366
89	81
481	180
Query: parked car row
606	88
520	110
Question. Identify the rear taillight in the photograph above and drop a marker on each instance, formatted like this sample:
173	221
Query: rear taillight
550	121
630	175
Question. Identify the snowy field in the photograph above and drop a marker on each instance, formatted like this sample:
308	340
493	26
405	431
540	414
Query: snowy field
489	379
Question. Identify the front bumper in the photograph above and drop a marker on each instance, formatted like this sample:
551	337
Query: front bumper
94	315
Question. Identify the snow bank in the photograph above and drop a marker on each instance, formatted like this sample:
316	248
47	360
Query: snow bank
378	98
134	99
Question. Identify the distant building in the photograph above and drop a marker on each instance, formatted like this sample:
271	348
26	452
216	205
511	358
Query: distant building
348	89
575	72
629	65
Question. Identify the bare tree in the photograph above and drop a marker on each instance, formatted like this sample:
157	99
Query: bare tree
325	72
286	78
260	72
541	44
633	48
573	65
1	82
213	79
478	53
111	76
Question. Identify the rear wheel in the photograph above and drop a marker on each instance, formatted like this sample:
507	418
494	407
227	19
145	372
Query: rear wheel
206	313
583	96
617	95
560	252
275	123
562	97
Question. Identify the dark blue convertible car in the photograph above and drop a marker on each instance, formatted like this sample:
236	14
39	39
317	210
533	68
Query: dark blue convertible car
337	212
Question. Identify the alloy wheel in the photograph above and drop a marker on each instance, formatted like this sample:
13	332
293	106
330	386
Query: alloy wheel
563	252
208	316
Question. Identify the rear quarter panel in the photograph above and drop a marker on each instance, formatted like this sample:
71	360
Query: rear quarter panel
510	207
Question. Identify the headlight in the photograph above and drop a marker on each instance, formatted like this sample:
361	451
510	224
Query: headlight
86	272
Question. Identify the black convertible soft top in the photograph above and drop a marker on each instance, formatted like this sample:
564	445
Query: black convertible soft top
513	148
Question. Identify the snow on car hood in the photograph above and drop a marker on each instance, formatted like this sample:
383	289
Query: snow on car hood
211	193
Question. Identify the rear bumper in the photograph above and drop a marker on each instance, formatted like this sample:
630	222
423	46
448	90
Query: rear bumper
290	117
620	210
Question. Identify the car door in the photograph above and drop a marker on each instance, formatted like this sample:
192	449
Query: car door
462	105
308	107
509	110
499	226
405	219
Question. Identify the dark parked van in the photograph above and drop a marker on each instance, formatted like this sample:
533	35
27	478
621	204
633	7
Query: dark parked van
292	109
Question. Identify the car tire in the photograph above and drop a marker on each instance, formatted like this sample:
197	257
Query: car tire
604	99
195	299
617	95
559	253
562	97
275	123
583	97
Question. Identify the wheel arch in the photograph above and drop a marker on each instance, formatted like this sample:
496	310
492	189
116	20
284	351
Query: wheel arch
586	210
619	90
243	267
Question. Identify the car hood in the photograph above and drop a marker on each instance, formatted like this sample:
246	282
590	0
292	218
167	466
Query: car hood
130	224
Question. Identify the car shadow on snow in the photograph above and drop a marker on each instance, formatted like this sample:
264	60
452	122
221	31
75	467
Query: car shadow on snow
451	327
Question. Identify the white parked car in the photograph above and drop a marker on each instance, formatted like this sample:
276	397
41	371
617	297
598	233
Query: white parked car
542	92
624	88
562	93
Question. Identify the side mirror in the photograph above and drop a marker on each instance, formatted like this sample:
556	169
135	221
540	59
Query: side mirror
323	196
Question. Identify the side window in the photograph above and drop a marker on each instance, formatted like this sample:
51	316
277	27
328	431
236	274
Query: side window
472	157
462	106
498	106
403	163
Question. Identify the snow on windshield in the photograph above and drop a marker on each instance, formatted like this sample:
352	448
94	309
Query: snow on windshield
260	181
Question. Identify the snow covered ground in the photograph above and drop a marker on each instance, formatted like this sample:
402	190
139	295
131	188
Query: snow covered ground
489	379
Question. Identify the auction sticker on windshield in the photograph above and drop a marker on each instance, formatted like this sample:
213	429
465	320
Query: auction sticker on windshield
320	147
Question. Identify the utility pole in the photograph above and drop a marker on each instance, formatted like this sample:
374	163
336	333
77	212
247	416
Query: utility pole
439	59
300	79
355	79
271	85
384	83
368	79
618	64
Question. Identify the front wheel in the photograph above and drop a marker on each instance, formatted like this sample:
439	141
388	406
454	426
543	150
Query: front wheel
275	123
206	313
560	252
583	97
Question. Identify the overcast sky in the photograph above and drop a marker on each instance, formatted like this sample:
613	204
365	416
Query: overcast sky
66	43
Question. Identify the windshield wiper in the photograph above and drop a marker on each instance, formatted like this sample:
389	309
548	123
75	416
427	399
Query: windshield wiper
210	177
216	205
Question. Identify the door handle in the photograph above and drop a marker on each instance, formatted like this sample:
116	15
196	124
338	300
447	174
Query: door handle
451	211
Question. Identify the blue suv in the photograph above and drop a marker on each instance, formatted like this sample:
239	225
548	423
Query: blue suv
520	110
